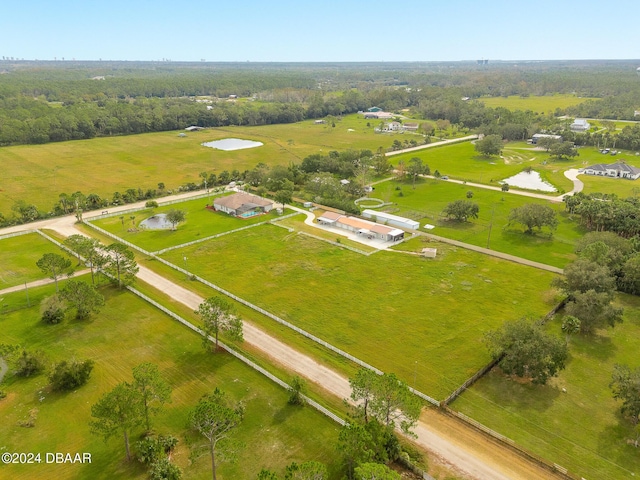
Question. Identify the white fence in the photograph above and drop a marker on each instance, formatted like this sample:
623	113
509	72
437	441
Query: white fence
266	313
200	240
239	356
17	234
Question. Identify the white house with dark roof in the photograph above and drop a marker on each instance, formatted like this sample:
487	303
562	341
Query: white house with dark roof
241	204
615	170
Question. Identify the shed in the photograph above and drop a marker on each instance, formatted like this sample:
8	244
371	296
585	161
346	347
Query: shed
429	252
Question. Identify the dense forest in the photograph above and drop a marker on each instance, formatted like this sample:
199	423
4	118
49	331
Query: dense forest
43	102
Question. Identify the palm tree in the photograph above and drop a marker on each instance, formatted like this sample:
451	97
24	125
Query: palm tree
570	326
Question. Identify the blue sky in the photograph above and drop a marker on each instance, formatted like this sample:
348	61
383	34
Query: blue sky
318	31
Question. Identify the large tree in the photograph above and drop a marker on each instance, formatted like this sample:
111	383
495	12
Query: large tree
214	417
594	309
461	210
118	411
393	404
534	215
88	249
283	197
83	297
385	398
217	315
375	471
174	217
562	150
490	145
583	275
625	385
54	266
121	264
363	386
155	392
525	350
417	168
355	444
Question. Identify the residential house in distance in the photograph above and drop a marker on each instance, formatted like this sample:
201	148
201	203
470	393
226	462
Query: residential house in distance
411	127
580	125
374	109
392	127
615	170
242	204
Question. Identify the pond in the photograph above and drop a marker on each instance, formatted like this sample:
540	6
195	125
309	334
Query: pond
156	222
228	144
529	180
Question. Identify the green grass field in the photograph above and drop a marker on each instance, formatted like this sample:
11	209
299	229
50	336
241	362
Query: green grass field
273	433
540	104
200	223
423	318
426	202
39	173
15	269
581	429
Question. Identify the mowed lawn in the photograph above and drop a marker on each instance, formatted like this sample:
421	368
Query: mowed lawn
18	257
126	333
420	318
200	222
40	173
582	429
427	201
540	104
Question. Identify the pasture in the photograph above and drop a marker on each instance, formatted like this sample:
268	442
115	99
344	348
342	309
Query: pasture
582	429
462	162
39	173
200	223
540	104
427	201
420	318
126	333
18	268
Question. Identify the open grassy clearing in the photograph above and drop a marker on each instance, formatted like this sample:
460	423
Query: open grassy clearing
273	433
619	124
200	223
582	429
15	269
39	173
426	202
462	162
540	104
423	318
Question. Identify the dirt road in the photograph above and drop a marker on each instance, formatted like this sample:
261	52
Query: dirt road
466	453
457	446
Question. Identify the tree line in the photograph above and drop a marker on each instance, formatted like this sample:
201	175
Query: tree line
49	105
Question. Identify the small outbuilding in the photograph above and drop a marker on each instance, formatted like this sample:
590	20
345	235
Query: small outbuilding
429	252
389	219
